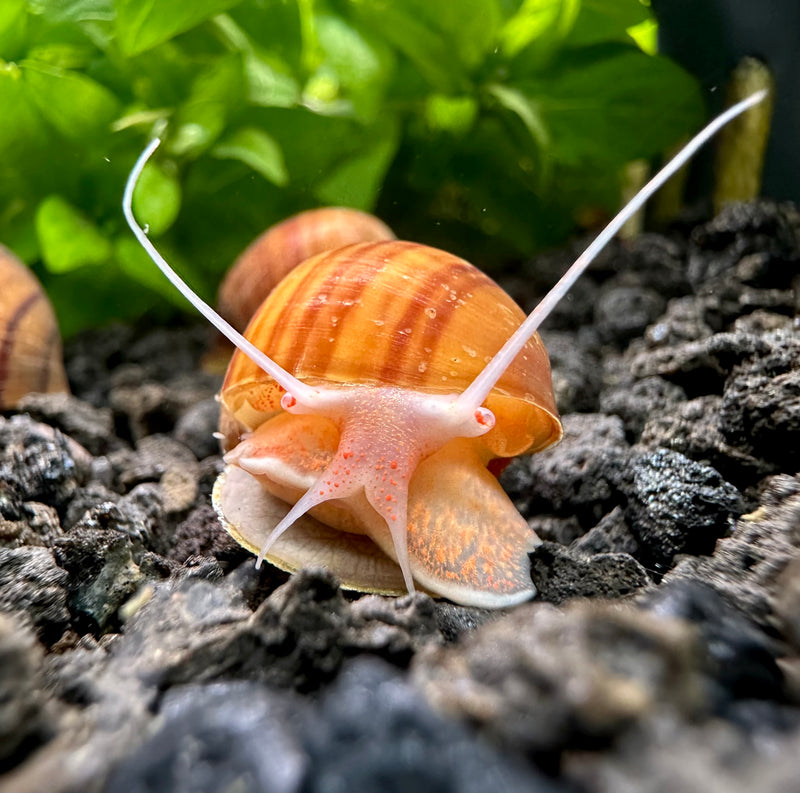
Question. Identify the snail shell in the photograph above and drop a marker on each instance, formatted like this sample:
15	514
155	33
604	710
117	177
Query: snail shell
30	343
410	317
282	247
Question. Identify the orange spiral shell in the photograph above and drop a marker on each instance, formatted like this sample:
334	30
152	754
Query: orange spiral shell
400	314
30	343
282	247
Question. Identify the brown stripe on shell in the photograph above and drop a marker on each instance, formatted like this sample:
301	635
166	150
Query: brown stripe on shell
347	281
426	332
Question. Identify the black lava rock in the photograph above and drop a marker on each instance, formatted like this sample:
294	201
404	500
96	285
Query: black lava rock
216	738
676	505
38	463
760	408
560	574
372	731
23	722
578	477
35	587
743	658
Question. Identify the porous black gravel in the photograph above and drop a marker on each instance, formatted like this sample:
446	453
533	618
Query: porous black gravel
141	651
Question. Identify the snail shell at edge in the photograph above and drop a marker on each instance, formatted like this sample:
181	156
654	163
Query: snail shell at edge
30	342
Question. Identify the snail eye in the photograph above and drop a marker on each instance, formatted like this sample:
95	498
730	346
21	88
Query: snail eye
485	418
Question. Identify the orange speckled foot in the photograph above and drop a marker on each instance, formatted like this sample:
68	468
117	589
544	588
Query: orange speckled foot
466	540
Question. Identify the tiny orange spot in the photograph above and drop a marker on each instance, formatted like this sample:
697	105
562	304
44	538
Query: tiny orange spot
393	464
322	492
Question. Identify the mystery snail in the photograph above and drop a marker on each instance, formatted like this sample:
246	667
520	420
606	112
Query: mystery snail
392	466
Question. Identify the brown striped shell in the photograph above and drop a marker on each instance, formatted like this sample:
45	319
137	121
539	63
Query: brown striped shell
399	314
30	344
282	247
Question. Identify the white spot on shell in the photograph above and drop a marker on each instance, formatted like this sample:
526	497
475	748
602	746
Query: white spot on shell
334	321
422	367
430	312
469	351
378	322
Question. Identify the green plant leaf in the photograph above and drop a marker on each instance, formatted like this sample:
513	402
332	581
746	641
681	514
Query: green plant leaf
525	109
469	27
74	104
23	128
455	114
357	181
156	199
60	11
362	64
606	20
269	82
426	48
137	265
67	238
141	24
541	23
13	28
255	148
528	112
200	121
618	105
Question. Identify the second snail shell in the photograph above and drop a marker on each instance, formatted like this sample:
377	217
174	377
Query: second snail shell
30	342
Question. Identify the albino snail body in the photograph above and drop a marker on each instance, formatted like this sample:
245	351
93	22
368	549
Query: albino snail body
392	461
30	343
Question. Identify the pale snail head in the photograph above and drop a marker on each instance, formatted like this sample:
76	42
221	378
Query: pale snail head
380	422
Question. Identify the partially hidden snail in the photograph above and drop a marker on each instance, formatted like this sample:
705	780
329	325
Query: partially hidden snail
30	342
282	247
372	387
274	254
